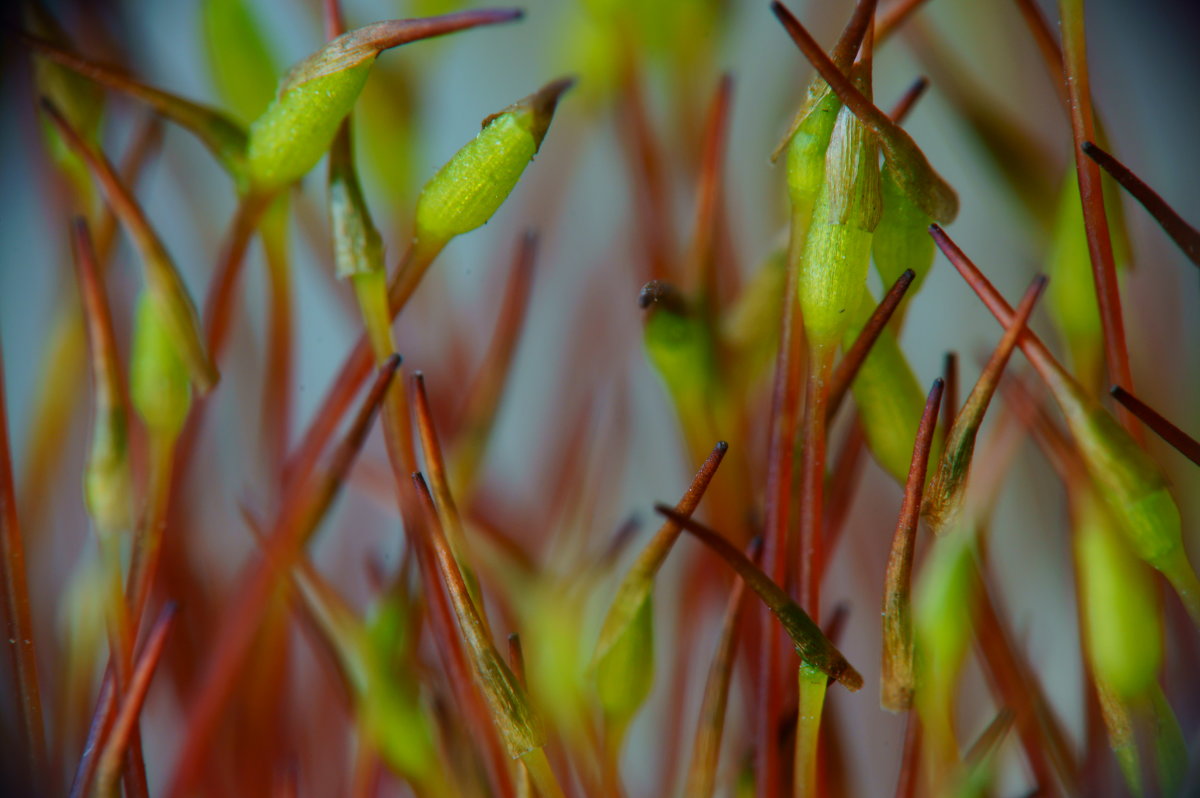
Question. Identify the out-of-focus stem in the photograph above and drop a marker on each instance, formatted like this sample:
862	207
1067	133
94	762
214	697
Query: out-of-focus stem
16	601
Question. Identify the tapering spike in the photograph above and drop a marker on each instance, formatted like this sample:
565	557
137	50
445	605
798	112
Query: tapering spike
907	100
1183	234
811	643
1188	446
447	508
509	704
947	488
898	679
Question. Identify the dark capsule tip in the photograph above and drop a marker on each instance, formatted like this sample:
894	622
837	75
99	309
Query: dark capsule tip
662	293
722	446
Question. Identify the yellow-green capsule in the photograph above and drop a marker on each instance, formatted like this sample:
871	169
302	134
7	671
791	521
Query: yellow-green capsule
623	664
888	397
1132	483
107	485
806	149
299	125
680	347
901	240
158	377
471	186
1120	612
837	249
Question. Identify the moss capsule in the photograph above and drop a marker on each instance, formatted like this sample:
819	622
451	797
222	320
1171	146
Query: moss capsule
158	378
471	186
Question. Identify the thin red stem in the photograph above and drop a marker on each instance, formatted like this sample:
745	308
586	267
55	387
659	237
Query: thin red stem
1095	218
1188	446
1182	233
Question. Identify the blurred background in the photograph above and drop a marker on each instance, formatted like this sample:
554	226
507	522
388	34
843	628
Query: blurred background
580	360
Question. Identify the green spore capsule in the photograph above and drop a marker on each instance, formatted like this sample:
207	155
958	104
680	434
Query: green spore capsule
471	186
1121	616
158	377
680	347
806	148
837	249
901	240
888	397
299	125
1131	482
625	671
623	664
